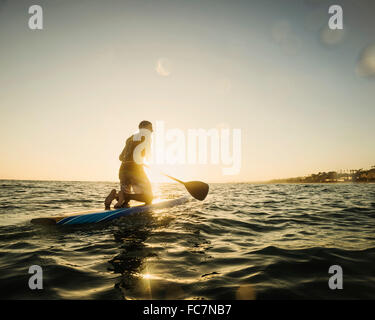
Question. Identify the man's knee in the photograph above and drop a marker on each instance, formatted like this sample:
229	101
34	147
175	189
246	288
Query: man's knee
148	197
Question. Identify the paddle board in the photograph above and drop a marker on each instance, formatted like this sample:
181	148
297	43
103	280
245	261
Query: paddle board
107	215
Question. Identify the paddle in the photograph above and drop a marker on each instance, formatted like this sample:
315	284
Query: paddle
197	189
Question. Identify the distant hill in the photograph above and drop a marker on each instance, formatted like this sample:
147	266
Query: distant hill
357	175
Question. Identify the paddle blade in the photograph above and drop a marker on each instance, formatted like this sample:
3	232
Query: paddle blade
197	189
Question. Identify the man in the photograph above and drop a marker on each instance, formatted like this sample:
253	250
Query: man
131	174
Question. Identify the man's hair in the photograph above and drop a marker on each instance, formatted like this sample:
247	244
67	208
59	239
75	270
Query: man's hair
144	124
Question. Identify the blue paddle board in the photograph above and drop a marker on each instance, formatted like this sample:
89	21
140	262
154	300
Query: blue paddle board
108	215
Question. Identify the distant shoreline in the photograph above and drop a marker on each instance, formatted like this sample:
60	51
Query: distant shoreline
327	182
344	176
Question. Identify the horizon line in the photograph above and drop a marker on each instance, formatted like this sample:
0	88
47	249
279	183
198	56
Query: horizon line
107	181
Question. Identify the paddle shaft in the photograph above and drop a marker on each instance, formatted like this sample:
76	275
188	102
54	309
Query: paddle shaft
167	175
175	179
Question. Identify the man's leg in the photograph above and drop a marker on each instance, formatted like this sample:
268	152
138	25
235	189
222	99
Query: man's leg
107	202
141	197
122	200
142	191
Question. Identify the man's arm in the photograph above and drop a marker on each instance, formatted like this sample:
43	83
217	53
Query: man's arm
122	156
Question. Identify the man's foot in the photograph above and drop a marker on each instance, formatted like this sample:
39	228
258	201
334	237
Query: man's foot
109	199
125	205
119	205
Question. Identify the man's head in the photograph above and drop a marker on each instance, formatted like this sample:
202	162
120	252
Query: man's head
145	125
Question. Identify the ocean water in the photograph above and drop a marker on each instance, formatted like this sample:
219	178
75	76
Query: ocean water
245	241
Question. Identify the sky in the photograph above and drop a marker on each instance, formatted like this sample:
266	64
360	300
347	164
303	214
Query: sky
72	93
